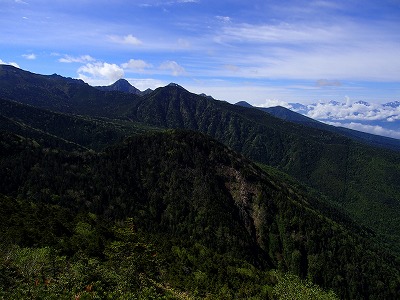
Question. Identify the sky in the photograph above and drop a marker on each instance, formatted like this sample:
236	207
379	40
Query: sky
260	51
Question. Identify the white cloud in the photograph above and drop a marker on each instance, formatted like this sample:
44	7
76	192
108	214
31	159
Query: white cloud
173	66
9	63
353	111
378	130
128	40
31	56
79	59
275	102
92	73
136	64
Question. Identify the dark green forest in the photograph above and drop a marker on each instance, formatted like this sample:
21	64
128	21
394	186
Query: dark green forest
190	214
100	200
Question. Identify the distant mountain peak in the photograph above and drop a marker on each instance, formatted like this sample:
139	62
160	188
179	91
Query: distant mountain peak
173	84
393	104
122	81
335	103
244	104
121	85
363	103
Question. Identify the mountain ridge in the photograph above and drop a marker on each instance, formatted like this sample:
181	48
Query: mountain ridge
349	173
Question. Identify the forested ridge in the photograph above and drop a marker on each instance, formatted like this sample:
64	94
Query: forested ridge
191	214
360	178
100	200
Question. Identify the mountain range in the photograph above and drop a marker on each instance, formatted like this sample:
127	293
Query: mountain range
298	114
226	193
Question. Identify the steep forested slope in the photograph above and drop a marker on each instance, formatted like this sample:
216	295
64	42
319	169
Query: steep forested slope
219	220
62	130
360	178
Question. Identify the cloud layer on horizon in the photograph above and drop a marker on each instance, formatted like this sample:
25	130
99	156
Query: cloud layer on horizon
358	111
380	119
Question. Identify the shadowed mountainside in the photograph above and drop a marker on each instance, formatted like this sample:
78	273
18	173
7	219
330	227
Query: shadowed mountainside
227	205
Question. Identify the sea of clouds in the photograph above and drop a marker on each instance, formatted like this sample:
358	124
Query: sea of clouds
380	119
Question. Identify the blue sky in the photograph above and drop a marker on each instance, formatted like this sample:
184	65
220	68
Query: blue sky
258	51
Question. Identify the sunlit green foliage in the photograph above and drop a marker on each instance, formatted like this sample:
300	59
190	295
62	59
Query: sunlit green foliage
291	287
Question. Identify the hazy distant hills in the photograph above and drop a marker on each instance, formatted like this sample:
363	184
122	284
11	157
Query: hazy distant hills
291	116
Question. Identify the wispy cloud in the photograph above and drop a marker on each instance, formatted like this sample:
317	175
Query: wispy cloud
128	40
281	33
172	66
76	59
310	50
31	56
136	65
